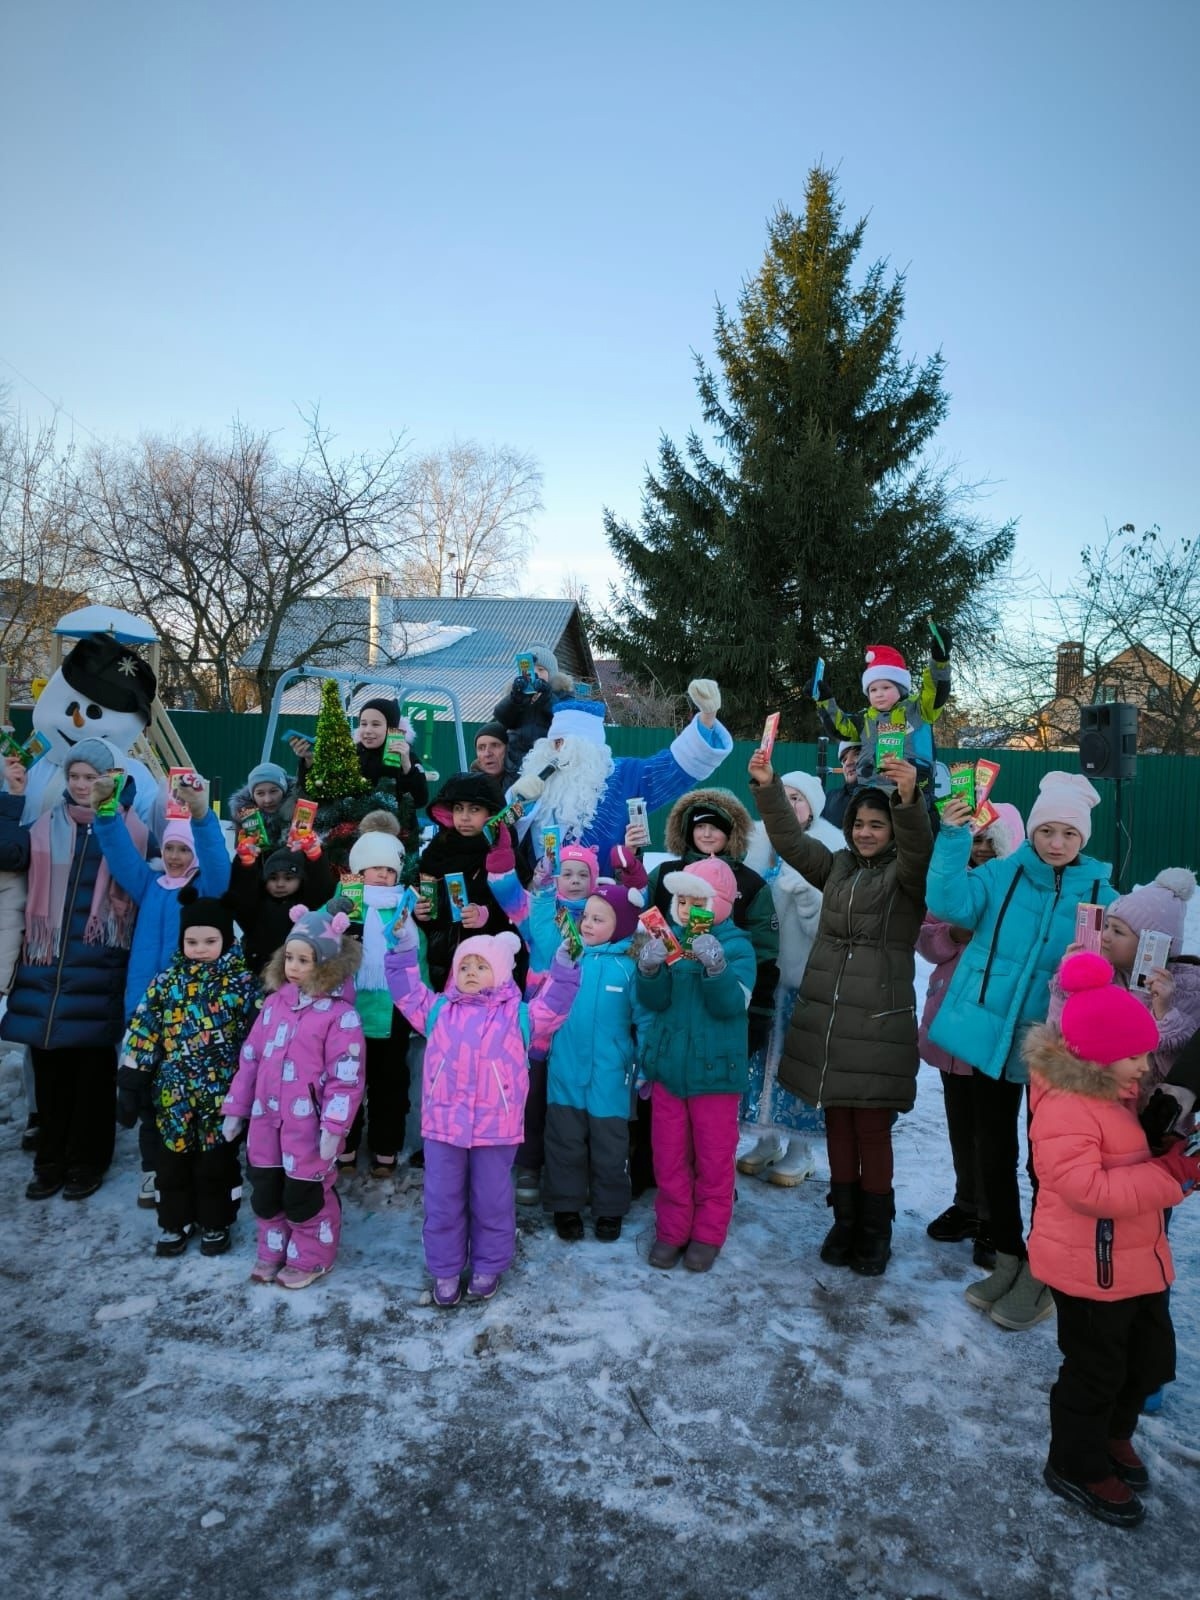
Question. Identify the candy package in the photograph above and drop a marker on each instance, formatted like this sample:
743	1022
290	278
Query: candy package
1153	950
456	888
352	889
1089	925
566	925
700	920
889	742
769	734
393	750
658	927
526	668
551	838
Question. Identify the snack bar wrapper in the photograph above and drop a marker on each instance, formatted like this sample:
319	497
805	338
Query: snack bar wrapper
982	817
551	839
456	888
525	668
658	927
769	734
253	827
493	825
427	890
392	753
700	920
566	925
962	783
1089	925
304	819
889	742
352	889
409	899
637	812
111	806
986	773
11	749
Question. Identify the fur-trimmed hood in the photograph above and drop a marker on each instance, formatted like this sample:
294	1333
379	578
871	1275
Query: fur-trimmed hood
1049	1059
329	976
678	834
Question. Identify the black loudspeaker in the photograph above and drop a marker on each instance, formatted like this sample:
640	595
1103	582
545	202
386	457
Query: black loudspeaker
1108	740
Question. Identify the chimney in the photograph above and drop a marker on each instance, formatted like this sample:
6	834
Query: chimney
380	618
1068	670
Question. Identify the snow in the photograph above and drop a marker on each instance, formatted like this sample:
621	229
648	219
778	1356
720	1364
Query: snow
776	1428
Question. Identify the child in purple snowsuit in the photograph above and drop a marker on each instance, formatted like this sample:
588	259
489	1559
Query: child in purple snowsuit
473	1092
299	1082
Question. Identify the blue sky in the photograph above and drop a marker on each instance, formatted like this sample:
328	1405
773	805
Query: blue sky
512	223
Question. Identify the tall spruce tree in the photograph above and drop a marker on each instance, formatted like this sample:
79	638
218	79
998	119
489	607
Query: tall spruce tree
822	527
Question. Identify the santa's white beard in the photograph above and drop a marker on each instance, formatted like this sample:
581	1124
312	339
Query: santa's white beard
573	792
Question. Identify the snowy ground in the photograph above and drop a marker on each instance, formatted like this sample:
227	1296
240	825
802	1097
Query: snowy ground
777	1428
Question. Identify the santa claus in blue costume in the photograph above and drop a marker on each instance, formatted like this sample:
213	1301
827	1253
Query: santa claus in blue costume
584	795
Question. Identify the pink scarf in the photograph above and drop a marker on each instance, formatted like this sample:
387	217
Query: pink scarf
52	840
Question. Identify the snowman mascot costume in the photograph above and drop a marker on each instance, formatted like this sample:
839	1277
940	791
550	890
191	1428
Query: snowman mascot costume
103	690
581	788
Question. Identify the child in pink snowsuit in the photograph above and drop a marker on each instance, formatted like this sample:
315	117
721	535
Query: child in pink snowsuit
299	1082
473	1093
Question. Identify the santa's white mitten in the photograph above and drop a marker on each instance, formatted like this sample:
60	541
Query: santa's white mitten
705	695
527	787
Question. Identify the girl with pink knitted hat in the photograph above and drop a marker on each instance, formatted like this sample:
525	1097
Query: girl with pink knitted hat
1098	1237
474	1084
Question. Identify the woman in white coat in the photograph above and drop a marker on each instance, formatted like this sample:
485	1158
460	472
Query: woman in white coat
782	1125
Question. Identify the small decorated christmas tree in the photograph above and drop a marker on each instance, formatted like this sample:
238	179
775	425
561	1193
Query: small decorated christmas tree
335	772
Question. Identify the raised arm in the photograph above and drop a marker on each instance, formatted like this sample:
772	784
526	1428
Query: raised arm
124	858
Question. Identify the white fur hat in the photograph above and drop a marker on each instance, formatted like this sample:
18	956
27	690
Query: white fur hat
377	850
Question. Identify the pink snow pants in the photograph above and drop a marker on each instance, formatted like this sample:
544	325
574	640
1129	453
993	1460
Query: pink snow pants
307	1243
694	1143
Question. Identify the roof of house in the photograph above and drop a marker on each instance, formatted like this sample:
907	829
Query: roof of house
465	645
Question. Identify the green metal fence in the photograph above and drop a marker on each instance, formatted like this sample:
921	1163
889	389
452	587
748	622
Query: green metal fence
1161	805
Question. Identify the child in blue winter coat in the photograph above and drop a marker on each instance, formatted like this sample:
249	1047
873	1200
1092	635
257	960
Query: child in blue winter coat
1021	911
589	1088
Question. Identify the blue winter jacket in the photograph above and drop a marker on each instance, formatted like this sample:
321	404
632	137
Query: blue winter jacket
696	1041
592	1055
156	933
1022	914
75	1002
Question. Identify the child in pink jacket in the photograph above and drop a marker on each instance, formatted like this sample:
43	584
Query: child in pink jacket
475	1080
299	1083
1098	1238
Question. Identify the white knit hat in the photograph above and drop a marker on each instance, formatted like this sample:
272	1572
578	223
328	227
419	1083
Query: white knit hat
1065	797
809	786
377	850
1161	905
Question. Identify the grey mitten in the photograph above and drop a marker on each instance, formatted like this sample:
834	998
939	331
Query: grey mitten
709	952
651	957
231	1128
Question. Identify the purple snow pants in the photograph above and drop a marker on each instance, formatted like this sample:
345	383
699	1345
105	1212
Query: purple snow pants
470	1208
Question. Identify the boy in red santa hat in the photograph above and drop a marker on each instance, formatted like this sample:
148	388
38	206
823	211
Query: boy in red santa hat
893	708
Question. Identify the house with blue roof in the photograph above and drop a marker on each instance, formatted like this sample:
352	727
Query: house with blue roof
465	645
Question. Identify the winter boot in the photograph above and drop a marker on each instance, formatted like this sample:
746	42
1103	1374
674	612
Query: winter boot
447	1292
839	1241
529	1186
699	1257
664	1255
1109	1499
264	1271
608	1229
299	1277
568	1225
147	1195
482	1285
793	1166
1127	1464
984	1294
953	1225
172	1241
214	1241
872	1238
767	1150
1026	1304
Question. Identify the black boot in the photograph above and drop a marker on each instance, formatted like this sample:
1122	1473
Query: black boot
839	1241
873	1234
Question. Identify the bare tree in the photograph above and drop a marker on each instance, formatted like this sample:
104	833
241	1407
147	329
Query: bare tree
1126	628
468	526
220	543
40	569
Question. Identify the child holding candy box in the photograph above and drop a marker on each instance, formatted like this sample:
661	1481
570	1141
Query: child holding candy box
459	849
269	791
527	710
1021	911
1098	1238
694	1056
895	722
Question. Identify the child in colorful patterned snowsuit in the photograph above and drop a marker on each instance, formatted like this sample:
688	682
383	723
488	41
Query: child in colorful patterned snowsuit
299	1084
893	708
473	1097
182	1049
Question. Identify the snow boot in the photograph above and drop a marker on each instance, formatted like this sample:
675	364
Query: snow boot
447	1292
1026	1304
172	1241
529	1186
984	1294
383	1166
608	1229
214	1241
568	1225
1108	1499
664	1255
767	1150
483	1285
953	1225
147	1197
1127	1464
793	1166
44	1184
81	1183
299	1277
264	1271
839	1241
872	1238
699	1257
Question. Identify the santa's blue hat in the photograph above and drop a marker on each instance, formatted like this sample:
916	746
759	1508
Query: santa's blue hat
579	719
